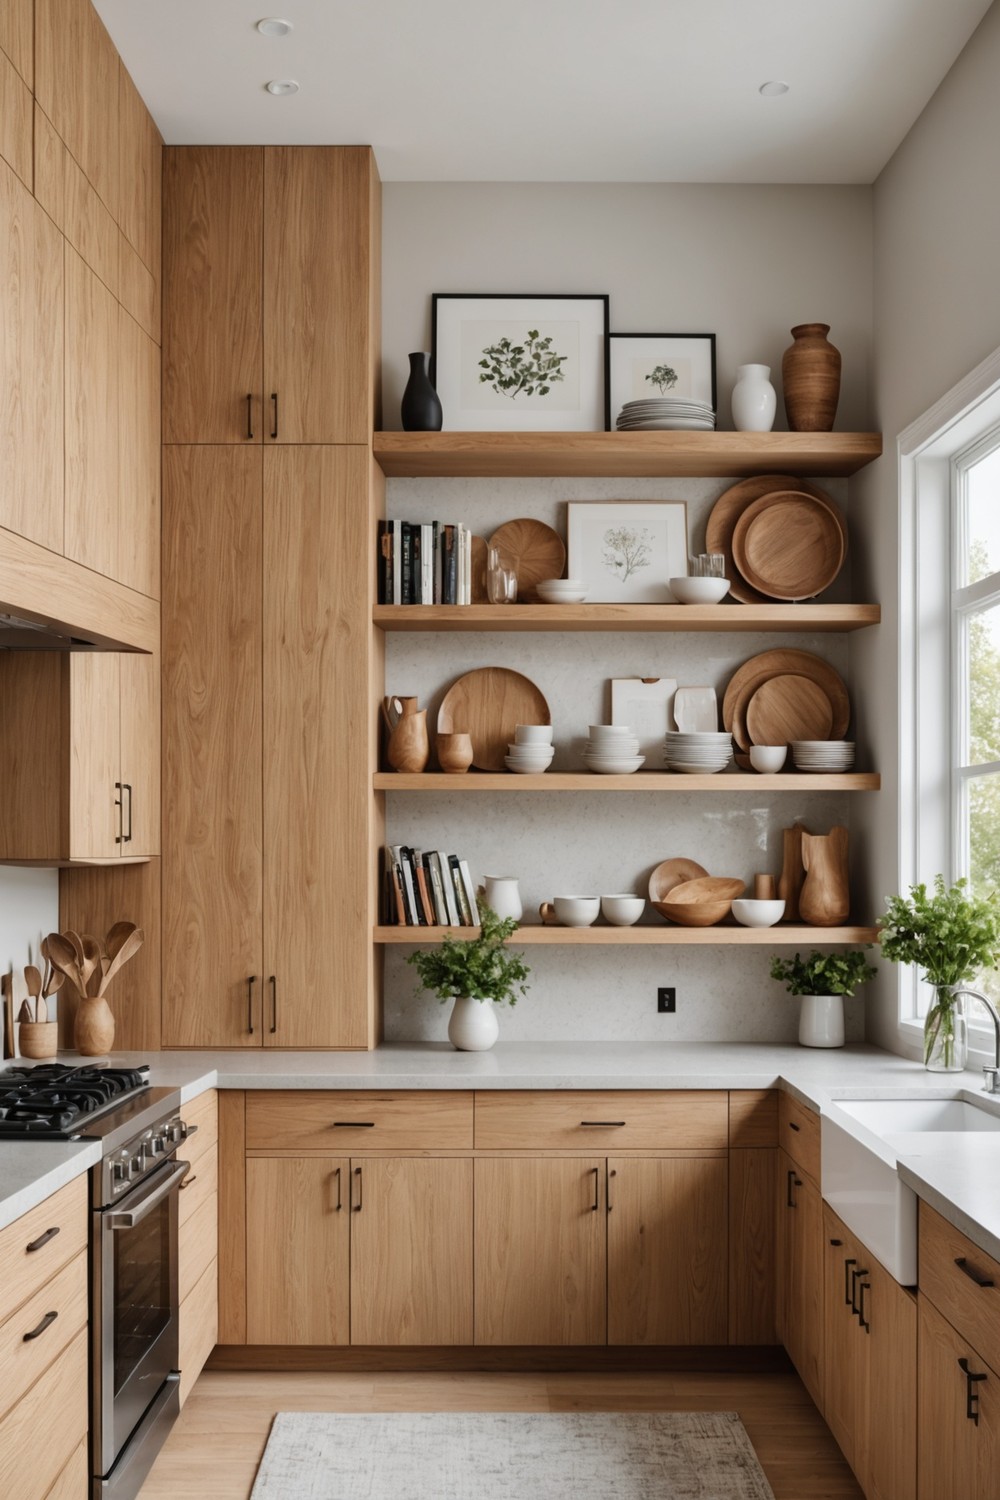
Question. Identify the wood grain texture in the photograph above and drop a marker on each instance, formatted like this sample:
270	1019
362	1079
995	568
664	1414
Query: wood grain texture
31	346
140	174
92	900
212	746
232	1218
138	289
75	1477
637	936
956	1459
40	1434
488	703
785	660
752	1187
890	1466
799	1273
552	1120
799	1134
317	263
213	209
202	1112
198	1327
198	1246
24	1361
513	618
788	708
825	897
298	1250
25	1272
643	781
668	1251
790	544
74	204
92	529
40	585
140	753
533	550
753	1117
16	134
34	794
846	1364
76	83
138	457
200	1186
540	1251
792	874
17	39
411	1251
94	725
304	1120
974	1311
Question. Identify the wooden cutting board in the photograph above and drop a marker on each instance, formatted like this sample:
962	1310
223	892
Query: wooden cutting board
790	545
488	704
787	708
670	874
533	550
785	659
727	511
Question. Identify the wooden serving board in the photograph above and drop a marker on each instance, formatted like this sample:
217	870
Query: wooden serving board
533	550
488	704
727	511
790	545
784	659
787	708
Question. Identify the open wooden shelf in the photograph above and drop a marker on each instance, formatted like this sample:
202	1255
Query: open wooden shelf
623	455
627	617
726	934
747	782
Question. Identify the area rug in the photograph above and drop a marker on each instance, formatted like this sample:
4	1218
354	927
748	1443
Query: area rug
509	1456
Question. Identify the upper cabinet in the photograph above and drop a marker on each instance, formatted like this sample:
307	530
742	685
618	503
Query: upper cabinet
140	174
76	84
17	36
271	282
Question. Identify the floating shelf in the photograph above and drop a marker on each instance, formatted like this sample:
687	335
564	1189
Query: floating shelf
746	782
623	455
725	934
626	617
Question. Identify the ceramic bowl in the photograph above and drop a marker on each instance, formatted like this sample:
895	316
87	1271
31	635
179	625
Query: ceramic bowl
622	911
698	590
768	757
758	913
563	596
576	911
533	734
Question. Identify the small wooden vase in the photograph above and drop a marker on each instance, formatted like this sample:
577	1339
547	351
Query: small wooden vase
810	377
409	747
825	898
792	874
38	1039
454	752
94	1030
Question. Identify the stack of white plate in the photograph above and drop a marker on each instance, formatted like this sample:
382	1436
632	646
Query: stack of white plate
612	750
532	751
666	414
561	590
823	755
696	753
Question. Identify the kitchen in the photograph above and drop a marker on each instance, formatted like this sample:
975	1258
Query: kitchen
870	261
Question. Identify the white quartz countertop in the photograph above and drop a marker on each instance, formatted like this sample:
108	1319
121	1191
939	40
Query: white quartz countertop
963	1184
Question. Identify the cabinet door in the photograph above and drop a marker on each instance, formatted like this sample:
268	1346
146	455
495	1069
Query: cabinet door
668	1263
889	1319
16	111
76	84
317	293
31	348
956	1455
141	171
212	752
17	19
752	1171
845	1346
140	753
92	526
540	1251
799	1267
138	458
298	1250
319	719
212	293
95	821
411	1251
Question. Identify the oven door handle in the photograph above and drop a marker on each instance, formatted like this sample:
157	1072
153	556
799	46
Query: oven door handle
128	1218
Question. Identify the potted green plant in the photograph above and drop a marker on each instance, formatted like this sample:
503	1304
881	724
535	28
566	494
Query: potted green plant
952	936
822	980
477	973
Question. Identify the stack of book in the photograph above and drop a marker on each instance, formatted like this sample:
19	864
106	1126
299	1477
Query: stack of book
424	562
428	890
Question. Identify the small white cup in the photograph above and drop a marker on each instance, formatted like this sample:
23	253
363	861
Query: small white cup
768	757
622	911
576	911
533	734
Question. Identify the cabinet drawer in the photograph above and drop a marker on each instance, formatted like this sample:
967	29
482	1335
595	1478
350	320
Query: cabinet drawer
601	1120
201	1182
753	1118
338	1123
798	1134
39	1435
198	1327
198	1246
23	1359
74	1481
961	1280
203	1112
41	1242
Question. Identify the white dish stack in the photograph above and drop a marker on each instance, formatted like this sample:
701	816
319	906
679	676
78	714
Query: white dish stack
532	750
561	590
666	414
701	753
823	755
612	750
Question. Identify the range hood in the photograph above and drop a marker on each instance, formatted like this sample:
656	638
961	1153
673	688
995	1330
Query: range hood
18	634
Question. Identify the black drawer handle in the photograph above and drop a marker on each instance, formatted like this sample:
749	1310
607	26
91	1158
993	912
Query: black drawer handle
971	1394
855	1278
43	1239
863	1286
792	1126
848	1299
793	1183
353	1125
46	1322
605	1124
249	418
972	1273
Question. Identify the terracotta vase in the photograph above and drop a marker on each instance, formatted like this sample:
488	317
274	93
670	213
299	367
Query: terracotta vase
825	898
409	747
94	1029
810	375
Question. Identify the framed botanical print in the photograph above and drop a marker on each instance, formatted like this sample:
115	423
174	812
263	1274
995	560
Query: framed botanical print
625	550
642	366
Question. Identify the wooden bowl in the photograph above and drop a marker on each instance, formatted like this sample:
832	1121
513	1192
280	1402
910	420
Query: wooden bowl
708	888
670	874
693	913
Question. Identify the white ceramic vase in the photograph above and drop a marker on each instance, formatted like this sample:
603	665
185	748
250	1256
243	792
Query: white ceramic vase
502	894
754	399
473	1024
821	1021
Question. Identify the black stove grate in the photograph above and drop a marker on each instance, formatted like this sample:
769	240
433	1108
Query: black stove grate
53	1099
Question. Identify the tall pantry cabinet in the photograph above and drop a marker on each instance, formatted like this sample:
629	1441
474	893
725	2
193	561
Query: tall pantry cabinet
271	665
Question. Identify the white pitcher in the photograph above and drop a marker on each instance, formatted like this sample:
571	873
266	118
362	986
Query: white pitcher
502	894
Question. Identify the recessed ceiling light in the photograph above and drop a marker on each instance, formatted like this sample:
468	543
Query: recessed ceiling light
274	26
773	89
282	86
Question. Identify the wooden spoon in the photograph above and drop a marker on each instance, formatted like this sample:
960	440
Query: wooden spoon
128	950
62	956
76	943
116	938
33	981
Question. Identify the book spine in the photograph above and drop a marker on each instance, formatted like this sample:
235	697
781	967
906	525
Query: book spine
423	888
399	896
460	563
406	582
437	889
397	556
470	890
450	581
461	900
448	886
426	563
416	542
436	554
409	888
383	576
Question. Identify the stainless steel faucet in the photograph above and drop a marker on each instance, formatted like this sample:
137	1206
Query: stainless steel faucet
991	1076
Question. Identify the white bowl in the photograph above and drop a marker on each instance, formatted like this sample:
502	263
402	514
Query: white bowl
768	757
622	911
533	734
751	913
608	731
625	766
562	596
561	583
531	751
698	590
576	911
526	767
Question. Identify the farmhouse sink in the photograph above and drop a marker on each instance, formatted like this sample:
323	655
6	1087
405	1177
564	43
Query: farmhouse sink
861	1142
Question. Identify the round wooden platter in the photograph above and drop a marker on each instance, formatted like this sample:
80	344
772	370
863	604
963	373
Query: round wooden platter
727	511
671	873
533	550
789	545
488	704
784	659
787	708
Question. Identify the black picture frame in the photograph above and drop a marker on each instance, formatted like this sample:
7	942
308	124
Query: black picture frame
703	386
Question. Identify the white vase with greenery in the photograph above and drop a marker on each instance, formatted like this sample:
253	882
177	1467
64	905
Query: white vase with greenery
822	980
477	974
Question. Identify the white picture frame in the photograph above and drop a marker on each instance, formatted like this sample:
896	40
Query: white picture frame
624	551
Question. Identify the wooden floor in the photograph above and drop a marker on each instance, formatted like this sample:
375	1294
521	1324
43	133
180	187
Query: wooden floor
216	1446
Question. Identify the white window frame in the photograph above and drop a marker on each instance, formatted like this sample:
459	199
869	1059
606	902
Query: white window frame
931	454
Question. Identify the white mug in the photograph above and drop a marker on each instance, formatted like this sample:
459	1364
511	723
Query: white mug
502	894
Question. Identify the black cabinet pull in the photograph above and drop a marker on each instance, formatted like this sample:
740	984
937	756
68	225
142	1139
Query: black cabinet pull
274	418
249	417
971	1394
848	1299
607	1124
972	1273
610	1175
863	1286
46	1322
836	1242
188	1181
597	1189
855	1278
353	1125
274	1004
792	1126
43	1239
339	1203
793	1182
127	787
361	1190
119	800
251	981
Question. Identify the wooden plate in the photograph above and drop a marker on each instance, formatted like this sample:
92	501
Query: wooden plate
670	874
759	669
488	704
706	888
480	550
727	511
789	545
533	550
787	708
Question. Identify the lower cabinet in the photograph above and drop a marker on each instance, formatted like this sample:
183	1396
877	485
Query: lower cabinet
198	1242
958	1415
799	1272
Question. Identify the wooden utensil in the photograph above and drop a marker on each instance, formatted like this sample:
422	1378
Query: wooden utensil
727	511
41	1010
759	669
33	984
76	942
117	936
788	708
790	545
670	874
533	550
488	704
128	949
63	956
763	887
825	897
792	873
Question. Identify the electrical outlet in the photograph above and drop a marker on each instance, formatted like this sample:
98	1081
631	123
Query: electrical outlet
666	1001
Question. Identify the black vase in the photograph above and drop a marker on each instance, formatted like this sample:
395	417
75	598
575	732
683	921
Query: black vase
421	408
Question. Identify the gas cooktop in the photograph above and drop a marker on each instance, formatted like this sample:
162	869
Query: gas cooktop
57	1101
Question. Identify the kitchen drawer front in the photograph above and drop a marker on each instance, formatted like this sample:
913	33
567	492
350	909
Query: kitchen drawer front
40	1434
198	1327
23	1269
198	1246
798	1134
341	1123
602	1120
200	1183
74	1481
960	1291
203	1112
753	1118
23	1359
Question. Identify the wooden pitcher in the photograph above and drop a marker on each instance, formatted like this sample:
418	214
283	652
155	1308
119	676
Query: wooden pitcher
825	898
409	747
792	872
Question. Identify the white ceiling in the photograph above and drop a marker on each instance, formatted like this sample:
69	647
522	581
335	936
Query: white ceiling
554	90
